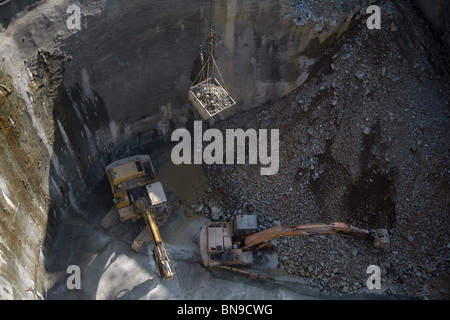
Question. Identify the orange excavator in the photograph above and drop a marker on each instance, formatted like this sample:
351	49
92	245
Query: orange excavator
230	245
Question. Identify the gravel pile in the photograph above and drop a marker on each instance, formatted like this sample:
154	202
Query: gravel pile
363	141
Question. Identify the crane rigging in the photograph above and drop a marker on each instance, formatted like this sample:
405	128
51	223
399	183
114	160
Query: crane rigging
209	96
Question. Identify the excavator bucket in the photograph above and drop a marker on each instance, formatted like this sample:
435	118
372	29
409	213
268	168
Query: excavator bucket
381	238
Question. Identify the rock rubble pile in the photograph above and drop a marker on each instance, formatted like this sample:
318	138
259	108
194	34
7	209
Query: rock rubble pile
363	141
213	97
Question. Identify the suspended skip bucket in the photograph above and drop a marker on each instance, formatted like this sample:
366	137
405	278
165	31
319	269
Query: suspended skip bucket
210	99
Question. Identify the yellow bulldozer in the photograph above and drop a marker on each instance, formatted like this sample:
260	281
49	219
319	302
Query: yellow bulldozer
138	194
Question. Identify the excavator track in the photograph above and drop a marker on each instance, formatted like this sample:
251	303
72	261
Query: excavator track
141	241
110	219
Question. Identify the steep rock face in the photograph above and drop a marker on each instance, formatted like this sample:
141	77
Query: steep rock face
23	199
437	12
82	98
140	57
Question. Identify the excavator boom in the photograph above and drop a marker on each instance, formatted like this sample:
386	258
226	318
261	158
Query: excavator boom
161	256
303	230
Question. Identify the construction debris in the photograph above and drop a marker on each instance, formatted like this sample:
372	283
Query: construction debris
210	98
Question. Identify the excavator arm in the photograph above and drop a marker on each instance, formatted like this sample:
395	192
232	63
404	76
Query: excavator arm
380	236
161	256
